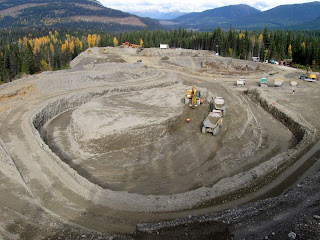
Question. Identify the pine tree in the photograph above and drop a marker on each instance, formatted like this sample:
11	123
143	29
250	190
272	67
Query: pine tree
30	59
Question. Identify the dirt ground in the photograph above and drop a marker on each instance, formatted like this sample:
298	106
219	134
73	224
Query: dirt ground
103	150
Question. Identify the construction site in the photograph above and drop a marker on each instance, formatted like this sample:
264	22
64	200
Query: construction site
134	143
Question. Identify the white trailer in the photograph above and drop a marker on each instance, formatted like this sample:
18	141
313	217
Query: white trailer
241	82
164	46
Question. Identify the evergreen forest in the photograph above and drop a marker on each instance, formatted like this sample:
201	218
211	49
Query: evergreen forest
38	50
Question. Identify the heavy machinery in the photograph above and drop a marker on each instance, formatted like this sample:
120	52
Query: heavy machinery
220	104
278	82
126	44
135	45
212	122
263	82
192	97
309	76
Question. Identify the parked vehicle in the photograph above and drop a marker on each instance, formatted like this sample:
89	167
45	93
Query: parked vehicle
263	82
241	82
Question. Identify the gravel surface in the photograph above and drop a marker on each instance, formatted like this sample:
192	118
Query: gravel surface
103	151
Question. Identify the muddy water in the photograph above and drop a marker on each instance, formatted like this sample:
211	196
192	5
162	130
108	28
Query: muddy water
172	157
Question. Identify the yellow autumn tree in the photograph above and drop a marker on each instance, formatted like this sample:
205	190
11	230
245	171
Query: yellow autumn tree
25	41
141	42
64	46
230	51
51	48
290	51
89	40
241	35
94	40
115	42
44	65
303	45
71	46
79	43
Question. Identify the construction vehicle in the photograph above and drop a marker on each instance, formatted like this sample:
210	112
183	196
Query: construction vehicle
263	82
309	76
192	97
293	83
126	44
220	104
278	82
135	45
212	122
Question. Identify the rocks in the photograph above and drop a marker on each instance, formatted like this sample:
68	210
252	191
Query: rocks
317	217
292	235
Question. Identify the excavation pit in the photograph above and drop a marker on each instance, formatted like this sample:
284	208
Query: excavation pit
118	150
140	142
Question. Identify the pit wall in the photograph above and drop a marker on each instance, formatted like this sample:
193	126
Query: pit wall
61	105
305	133
125	201
299	127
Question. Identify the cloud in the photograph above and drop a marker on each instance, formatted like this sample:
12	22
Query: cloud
191	5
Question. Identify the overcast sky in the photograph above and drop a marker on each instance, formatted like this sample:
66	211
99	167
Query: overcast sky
191	5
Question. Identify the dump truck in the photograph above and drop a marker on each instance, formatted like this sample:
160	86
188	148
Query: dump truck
212	122
192	97
278	82
220	104
293	83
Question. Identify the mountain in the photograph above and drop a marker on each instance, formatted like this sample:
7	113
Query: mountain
242	16
310	25
87	14
215	17
226	12
159	15
284	16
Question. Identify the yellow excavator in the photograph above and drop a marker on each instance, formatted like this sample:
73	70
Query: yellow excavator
309	76
192	97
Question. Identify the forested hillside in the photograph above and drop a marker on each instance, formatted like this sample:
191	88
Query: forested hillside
35	51
291	16
69	14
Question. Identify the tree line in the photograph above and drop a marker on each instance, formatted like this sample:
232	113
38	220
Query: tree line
30	52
